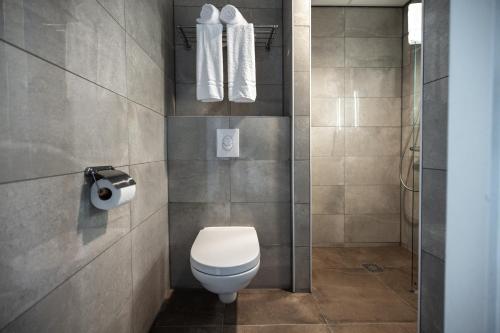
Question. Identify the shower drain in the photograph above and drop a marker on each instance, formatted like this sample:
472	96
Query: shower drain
373	268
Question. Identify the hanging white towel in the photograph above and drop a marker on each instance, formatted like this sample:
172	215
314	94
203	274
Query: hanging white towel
209	67
240	56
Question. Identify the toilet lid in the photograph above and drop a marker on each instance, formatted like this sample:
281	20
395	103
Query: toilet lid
225	250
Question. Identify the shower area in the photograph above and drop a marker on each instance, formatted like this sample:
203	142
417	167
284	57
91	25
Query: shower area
365	134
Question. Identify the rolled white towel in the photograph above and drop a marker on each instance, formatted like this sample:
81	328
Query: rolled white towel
209	15
231	15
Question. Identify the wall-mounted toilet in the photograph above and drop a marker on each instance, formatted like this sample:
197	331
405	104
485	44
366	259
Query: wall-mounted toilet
225	259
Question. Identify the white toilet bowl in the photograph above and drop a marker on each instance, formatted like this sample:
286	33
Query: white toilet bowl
225	259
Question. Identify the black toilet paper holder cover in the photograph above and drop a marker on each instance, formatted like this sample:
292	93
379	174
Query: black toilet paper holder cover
118	178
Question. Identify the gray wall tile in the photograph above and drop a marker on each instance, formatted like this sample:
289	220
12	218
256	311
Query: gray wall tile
90	37
372	199
260	181
116	8
327	22
98	295
271	220
302	224
327	112
373	112
434	212
149	267
268	65
432	294
302	182
328	200
372	228
62	110
328	170
86	253
373	22
66	240
187	105
263	138
301	49
302	137
302	93
356	119
147	134
303	268
327	52
151	190
436	33
372	141
327	230
198	181
327	141
145	22
373	82
301	12
145	82
372	170
435	125
327	82
269	102
373	52
275	268
194	138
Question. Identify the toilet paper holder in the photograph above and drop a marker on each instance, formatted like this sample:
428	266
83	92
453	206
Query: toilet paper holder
110	188
118	179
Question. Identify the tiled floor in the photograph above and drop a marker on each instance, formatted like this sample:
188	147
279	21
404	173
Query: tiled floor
346	298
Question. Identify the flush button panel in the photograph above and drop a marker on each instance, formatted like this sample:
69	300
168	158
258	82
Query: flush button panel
228	142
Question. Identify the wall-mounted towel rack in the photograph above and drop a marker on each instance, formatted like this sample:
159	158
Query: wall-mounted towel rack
264	35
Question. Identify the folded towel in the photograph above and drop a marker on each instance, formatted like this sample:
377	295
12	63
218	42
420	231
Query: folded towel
209	15
209	67
231	15
241	63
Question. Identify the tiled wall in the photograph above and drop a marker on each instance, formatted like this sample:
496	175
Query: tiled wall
355	124
410	122
252	190
269	63
298	46
434	162
79	89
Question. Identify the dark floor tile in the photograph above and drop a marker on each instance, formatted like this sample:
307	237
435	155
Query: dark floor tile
318	328
355	295
399	281
276	307
376	328
327	257
387	256
191	308
186	329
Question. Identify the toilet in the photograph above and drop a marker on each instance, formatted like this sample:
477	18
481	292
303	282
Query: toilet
225	259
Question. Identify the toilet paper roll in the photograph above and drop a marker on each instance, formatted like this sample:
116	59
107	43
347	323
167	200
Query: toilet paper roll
104	195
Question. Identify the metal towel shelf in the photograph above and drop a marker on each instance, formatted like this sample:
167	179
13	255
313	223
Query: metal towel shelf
264	35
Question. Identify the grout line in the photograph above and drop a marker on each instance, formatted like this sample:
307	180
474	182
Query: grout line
76	74
72	173
48	293
435	80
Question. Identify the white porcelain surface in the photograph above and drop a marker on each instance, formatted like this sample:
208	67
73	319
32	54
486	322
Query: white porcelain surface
225	259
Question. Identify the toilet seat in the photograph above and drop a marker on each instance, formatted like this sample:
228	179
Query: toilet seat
223	251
